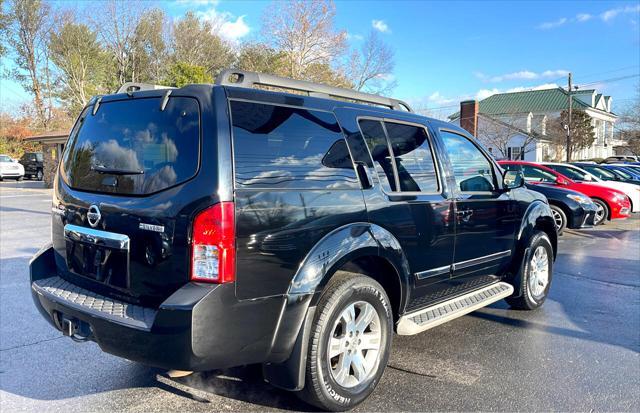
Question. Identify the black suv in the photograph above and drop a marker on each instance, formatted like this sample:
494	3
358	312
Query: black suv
221	225
33	163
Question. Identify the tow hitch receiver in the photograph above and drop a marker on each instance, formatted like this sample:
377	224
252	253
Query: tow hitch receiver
76	329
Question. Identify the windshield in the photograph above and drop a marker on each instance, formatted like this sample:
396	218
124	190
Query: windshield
621	172
600	172
571	173
133	147
5	158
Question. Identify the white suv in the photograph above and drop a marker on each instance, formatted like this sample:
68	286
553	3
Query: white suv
10	168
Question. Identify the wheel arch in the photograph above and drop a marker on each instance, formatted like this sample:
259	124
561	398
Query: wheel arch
356	247
538	217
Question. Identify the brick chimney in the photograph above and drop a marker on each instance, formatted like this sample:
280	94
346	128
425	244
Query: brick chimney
469	116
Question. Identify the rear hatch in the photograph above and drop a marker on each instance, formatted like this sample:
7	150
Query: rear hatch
130	180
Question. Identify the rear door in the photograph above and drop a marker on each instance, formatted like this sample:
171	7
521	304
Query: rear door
127	192
486	216
408	196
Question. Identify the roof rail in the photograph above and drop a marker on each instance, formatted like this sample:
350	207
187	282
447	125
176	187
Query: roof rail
131	87
243	78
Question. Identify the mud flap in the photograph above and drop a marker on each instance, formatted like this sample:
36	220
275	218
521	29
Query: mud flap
290	374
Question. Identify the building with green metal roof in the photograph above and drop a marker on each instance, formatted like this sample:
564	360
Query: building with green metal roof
526	115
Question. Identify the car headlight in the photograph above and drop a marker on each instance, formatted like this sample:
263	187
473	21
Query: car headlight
620	197
579	199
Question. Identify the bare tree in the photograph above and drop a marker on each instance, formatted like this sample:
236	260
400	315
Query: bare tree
116	26
370	67
499	133
30	23
304	31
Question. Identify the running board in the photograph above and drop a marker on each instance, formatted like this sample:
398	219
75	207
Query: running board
426	318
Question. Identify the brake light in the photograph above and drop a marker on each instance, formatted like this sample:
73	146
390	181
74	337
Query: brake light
213	246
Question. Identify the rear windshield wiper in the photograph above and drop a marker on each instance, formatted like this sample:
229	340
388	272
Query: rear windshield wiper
104	170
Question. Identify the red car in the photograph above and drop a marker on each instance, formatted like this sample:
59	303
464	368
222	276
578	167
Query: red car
612	204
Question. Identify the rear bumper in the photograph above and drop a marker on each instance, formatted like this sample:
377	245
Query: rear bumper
199	327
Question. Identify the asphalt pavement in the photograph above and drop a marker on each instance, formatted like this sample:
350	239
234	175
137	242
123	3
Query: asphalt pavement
579	352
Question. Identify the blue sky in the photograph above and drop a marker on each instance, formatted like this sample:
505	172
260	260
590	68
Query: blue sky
450	51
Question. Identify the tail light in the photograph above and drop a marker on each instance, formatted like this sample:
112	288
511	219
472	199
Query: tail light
213	252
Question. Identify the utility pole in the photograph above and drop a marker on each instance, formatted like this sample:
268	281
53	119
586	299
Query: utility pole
568	126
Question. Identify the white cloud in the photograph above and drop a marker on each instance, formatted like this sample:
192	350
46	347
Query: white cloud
605	16
551	25
380	26
612	13
583	17
354	36
226	24
235	30
521	75
198	3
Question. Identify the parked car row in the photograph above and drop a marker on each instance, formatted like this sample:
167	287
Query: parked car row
30	165
581	195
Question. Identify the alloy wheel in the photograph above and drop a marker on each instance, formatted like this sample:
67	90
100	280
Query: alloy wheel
600	213
354	345
539	271
557	218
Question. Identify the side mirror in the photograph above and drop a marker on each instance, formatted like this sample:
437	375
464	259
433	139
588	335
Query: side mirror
561	181
513	179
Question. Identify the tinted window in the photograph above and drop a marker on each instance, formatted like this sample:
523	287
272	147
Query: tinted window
413	159
39	157
533	174
376	140
131	147
568	172
472	170
5	158
283	147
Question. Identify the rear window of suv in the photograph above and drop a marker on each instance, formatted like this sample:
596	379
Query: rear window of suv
131	147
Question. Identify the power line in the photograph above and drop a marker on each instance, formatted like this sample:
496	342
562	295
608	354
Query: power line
614	79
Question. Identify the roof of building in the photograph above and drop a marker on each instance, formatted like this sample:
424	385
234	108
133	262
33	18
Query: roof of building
49	137
543	100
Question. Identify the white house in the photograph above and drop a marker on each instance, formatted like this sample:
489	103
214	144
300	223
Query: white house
514	125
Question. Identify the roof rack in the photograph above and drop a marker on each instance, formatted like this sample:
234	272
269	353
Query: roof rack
131	87
243	78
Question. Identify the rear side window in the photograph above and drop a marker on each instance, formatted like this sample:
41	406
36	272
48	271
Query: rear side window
289	148
131	147
533	174
402	156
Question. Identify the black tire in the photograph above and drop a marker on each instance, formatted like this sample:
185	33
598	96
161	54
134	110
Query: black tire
39	175
321	389
601	204
529	300
19	178
559	217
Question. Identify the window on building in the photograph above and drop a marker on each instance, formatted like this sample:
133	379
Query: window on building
515	153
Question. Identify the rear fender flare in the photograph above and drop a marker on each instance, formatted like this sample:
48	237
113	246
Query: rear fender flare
537	217
287	361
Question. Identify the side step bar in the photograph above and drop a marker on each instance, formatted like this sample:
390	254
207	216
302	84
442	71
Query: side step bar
426	318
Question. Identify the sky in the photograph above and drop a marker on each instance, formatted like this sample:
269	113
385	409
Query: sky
446	52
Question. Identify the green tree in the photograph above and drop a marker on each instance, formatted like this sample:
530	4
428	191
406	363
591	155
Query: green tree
183	73
150	46
196	43
4	27
582	132
259	57
81	64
